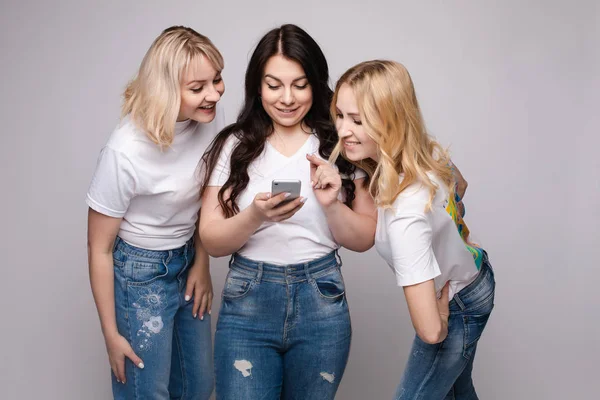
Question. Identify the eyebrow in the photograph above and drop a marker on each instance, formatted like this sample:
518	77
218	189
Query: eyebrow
204	80
279	80
352	114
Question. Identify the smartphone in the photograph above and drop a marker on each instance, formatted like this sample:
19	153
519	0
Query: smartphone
291	186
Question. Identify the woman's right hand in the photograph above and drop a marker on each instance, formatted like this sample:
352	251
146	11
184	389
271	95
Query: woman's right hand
118	348
268	208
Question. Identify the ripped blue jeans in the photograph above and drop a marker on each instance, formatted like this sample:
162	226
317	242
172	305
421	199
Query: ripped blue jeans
283	331
154	317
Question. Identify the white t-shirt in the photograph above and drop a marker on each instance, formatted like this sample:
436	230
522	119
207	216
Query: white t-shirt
303	237
156	192
420	245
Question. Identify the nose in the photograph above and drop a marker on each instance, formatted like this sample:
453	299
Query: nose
288	97
344	131
213	95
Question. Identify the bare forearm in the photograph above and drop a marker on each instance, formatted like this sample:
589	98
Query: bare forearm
221	237
102	282
424	312
351	230
201	258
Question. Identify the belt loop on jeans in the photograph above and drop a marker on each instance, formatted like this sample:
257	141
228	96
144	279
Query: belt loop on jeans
338	258
260	272
308	278
458	301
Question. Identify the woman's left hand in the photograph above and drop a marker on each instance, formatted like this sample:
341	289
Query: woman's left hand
325	180
199	287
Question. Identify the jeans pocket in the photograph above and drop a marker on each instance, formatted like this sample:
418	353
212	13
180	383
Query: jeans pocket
330	286
237	284
144	272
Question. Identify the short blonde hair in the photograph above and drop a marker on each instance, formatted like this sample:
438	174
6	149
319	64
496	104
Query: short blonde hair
390	112
153	97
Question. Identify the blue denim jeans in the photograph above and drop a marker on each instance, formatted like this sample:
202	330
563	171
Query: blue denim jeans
283	331
442	371
154	317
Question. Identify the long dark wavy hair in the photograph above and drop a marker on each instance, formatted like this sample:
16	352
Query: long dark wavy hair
254	125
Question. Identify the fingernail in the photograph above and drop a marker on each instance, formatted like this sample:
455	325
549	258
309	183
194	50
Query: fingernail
195	315
209	312
287	195
187	297
202	318
141	365
303	200
118	381
312	183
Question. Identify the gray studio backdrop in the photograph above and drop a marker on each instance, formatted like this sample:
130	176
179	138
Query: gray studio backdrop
511	86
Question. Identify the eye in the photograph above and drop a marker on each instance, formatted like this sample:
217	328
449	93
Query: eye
197	90
339	116
357	122
272	87
217	80
302	86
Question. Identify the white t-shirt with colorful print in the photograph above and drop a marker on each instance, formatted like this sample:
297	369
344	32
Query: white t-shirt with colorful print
420	245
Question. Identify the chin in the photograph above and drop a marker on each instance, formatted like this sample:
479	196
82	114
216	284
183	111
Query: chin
203	118
352	157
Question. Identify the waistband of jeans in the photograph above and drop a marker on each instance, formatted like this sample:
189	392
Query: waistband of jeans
471	292
286	273
138	252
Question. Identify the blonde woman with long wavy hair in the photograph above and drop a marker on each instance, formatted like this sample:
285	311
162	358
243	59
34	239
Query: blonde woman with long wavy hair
447	280
148	270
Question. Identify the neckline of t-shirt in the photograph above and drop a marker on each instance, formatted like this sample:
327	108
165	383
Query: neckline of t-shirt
299	151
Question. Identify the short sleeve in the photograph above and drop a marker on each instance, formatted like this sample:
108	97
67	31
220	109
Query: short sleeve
113	185
221	171
410	237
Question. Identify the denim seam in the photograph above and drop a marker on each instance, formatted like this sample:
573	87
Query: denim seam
130	340
285	323
465	337
181	362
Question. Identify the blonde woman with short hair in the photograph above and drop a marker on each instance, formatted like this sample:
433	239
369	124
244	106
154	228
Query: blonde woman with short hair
447	280
148	270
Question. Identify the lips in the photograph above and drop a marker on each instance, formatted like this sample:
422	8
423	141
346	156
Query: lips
207	107
286	111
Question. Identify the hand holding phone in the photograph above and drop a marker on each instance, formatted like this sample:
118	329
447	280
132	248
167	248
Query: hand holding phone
291	186
282	203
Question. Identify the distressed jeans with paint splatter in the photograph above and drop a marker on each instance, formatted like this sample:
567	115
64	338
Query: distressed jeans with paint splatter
154	317
442	371
283	331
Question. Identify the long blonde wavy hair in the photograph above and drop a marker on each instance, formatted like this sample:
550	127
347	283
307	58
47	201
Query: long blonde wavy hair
391	116
153	97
